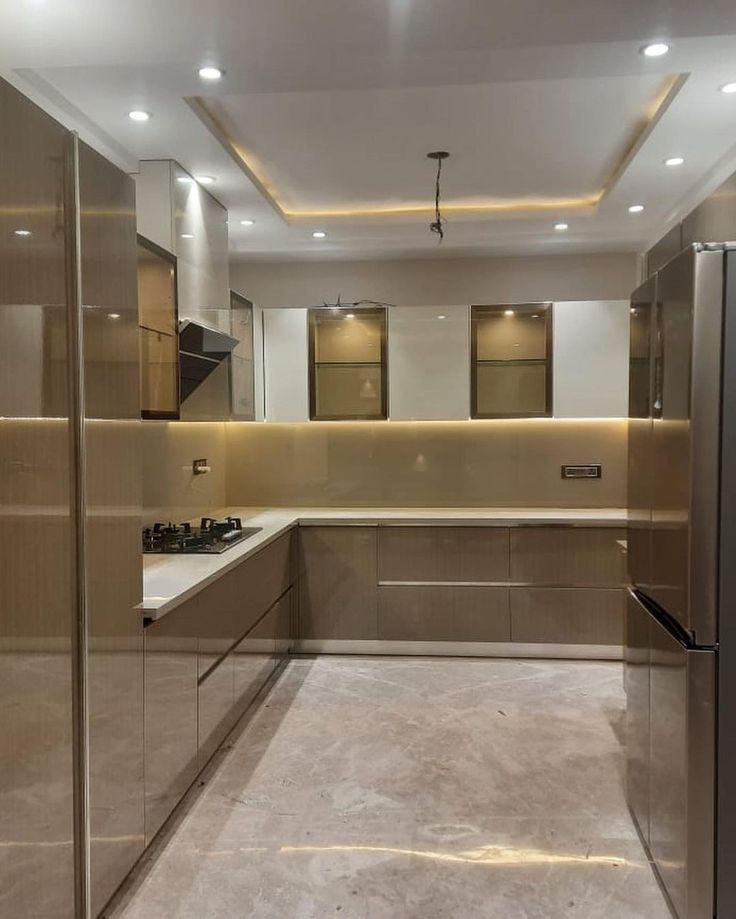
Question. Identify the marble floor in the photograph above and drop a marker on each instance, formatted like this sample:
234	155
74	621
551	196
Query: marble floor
415	788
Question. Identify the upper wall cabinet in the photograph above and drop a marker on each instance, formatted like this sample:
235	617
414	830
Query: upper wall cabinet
511	361
159	331
347	364
429	363
591	359
242	369
285	364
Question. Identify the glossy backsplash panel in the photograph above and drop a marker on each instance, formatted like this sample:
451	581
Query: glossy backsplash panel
493	463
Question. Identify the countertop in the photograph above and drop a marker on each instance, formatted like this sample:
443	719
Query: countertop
169	580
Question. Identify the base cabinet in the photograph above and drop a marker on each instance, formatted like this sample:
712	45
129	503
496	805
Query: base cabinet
428	613
261	651
567	616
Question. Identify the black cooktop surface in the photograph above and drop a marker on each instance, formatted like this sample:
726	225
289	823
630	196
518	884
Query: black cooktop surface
211	537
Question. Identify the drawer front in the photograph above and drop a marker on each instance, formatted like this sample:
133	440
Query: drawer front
337	591
170	725
216	708
567	616
260	652
410	613
568	556
234	603
443	554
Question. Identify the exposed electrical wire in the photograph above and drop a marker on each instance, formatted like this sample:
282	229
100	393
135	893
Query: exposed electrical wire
437	226
340	304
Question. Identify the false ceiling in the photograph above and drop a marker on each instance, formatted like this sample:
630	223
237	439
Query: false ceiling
327	109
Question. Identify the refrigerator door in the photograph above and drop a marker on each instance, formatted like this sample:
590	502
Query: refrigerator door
643	303
682	771
685	441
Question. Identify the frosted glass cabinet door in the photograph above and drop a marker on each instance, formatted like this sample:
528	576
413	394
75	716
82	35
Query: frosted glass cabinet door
429	363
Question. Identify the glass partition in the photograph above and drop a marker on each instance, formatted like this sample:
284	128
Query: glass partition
242	368
347	364
511	361
159	331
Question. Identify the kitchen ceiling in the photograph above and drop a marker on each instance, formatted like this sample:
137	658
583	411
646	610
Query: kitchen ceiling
326	110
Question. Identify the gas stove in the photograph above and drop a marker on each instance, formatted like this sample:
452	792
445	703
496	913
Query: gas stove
211	537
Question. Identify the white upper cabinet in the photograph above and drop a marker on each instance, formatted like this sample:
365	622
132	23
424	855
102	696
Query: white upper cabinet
590	367
429	363
285	364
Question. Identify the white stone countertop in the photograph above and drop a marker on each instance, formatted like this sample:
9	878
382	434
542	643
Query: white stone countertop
169	580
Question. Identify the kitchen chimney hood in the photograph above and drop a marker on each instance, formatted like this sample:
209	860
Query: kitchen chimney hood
201	350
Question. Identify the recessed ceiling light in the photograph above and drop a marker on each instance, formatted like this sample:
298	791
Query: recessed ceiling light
22	232
205	180
319	234
674	161
442	317
113	315
139	115
636	208
728	88
655	49
187	235
508	312
210	73
561	227
535	315
247	223
632	311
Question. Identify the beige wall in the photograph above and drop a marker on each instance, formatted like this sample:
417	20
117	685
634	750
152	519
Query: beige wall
450	464
439	281
170	490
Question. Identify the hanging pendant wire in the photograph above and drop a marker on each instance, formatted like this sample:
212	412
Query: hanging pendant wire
437	225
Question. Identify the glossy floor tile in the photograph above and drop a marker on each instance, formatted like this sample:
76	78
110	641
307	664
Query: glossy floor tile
417	788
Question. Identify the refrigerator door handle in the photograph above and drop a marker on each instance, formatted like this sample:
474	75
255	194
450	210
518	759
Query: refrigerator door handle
666	620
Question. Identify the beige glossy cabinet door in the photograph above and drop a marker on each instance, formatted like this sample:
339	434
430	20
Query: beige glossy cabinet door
431	613
338	584
476	554
568	556
567	616
171	740
257	656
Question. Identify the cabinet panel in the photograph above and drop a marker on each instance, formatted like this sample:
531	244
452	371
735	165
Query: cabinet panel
443	554
337	591
443	613
260	652
170	712
567	616
216	708
636	674
286	364
568	556
237	600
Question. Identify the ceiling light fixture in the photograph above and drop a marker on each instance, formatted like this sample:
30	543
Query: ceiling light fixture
247	223
22	232
437	226
674	161
728	88
205	180
655	49
508	312
139	115
636	208
210	73
319	234
561	227
442	317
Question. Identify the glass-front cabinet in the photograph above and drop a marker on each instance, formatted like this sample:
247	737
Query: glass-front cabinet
347	364
242	369
511	361
159	331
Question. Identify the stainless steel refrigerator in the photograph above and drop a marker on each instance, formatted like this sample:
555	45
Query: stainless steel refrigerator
680	678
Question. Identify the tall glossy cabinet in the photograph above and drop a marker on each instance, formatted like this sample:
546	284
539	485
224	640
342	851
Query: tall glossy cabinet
71	790
36	538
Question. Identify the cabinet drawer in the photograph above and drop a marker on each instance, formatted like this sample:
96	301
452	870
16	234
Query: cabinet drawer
568	556
260	652
337	591
567	616
170	725
443	554
410	613
216	708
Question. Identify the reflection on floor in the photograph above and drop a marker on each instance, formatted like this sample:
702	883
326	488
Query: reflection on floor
419	789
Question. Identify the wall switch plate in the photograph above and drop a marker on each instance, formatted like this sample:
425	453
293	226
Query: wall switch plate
589	471
200	467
